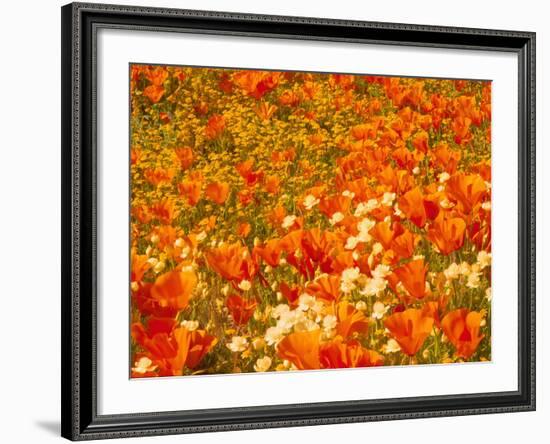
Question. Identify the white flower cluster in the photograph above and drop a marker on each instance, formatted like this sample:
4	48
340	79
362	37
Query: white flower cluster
288	221
190	325
336	218
391	346
364	226
377	284
471	272
263	364
306	317
349	277
364	208
144	365
379	310
310	201
238	344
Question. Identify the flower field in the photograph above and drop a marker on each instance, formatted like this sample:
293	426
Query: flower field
297	221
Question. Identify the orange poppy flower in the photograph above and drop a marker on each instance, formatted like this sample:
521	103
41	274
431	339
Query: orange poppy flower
316	140
402	126
326	287
479	233
139	267
384	233
283	156
445	158
231	261
350	320
248	81
147	305
462	328
413	277
265	110
144	367
165	210
467	190
208	223
289	98
340	261
360	187
404	244
272	184
201	107
292	241
136	71
200	343
420	141
160	325
256	83
245	196
225	83
363	131
217	192
339	354
165	117
409	328
461	127
173	350
153	92
191	240
303	264
214	127
174	288
155	325
447	233
382	212
344	81
310	89
316	243
175	357
191	190
363	263
483	168
467	106
156	338
412	95
142	214
399	181
388	258
135	155
407	159
425	121
167	235
185	156
291	294
435	309
241	310
335	204
270	252
243	229
301	348
393	281
245	170
159	175
156	75
412	204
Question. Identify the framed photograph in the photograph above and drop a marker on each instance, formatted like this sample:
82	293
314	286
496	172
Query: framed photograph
280	221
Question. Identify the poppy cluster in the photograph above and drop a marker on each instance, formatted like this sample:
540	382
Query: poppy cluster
299	221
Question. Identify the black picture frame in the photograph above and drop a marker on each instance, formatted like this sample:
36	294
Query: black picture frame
80	420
